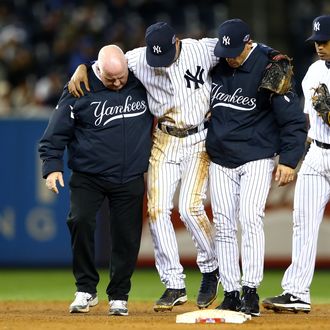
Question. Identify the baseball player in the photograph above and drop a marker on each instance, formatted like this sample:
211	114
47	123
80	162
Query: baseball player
176	75
108	137
312	192
249	127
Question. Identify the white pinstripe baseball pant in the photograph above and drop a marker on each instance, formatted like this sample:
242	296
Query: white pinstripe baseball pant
173	160
239	194
312	193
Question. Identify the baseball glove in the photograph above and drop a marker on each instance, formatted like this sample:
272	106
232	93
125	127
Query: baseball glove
321	102
278	75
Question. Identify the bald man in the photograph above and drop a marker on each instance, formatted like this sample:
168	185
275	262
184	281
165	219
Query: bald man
107	134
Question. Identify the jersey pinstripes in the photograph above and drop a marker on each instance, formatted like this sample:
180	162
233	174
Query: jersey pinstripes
316	74
312	193
169	98
179	96
237	194
169	164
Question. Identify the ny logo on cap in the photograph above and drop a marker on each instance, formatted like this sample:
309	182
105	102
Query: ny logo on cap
156	49
226	40
317	26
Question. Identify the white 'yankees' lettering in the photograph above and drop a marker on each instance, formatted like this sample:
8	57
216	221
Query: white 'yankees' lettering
102	111
236	101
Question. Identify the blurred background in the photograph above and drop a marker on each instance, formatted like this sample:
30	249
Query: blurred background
42	42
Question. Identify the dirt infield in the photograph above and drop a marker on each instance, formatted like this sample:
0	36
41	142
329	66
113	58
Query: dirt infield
54	315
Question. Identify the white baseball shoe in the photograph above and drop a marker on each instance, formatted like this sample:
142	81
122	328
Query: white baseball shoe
118	307
82	302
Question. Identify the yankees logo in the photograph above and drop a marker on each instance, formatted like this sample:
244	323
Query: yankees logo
105	114
156	49
317	26
226	40
235	101
197	78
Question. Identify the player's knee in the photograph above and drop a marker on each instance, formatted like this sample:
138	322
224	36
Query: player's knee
153	213
188	211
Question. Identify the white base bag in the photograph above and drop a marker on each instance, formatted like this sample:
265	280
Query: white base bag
212	316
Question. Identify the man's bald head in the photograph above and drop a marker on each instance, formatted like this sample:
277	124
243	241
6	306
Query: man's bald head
112	65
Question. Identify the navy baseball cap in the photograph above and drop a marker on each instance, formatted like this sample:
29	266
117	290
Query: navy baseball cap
160	39
321	29
233	35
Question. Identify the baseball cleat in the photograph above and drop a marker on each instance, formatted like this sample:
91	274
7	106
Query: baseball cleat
118	307
231	302
82	302
169	299
250	301
286	303
209	289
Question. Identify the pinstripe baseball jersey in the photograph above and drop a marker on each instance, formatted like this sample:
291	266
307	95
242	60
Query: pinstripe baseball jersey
178	95
316	74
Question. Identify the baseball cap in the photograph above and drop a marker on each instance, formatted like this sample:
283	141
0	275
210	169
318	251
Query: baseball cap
233	35
160	39
321	29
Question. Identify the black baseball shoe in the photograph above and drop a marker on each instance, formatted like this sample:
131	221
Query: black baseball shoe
170	298
250	301
231	302
209	289
286	302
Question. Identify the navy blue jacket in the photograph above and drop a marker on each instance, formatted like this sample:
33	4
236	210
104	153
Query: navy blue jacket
107	133
249	124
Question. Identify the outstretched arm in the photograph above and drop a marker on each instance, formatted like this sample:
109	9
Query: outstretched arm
78	77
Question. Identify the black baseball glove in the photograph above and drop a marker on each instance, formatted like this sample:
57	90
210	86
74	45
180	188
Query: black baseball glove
321	102
278	75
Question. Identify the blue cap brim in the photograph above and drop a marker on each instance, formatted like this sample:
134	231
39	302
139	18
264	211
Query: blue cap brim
318	37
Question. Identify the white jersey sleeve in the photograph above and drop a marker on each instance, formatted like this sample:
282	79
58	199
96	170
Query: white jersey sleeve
316	74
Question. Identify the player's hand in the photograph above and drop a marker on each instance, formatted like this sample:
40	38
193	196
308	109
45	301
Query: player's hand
284	175
51	180
78	77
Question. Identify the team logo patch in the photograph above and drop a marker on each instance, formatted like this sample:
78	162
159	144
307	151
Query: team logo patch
196	79
226	40
156	49
246	38
317	26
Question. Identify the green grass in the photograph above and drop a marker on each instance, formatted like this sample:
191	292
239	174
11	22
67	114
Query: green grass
58	284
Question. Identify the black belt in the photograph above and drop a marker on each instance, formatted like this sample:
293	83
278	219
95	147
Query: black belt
322	145
182	132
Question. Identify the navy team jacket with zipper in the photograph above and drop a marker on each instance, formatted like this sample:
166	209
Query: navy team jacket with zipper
248	123
107	133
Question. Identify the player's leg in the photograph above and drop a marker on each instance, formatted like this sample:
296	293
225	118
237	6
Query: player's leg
85	200
256	179
163	178
311	196
312	192
194	180
126	214
224	193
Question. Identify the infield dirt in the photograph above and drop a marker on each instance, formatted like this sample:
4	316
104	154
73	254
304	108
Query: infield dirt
54	315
